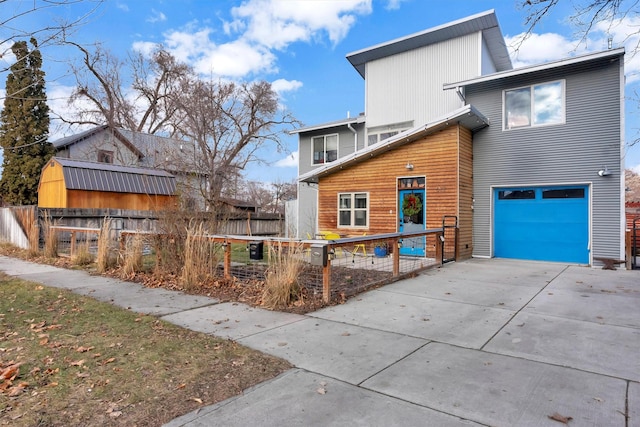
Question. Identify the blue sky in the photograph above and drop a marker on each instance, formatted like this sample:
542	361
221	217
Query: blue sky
299	46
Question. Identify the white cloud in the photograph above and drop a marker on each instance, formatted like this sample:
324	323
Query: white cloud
282	85
145	48
123	7
276	24
291	161
635	168
539	48
393	4
257	29
156	16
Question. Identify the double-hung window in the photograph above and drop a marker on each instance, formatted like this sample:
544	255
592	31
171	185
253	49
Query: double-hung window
537	105
325	149
353	209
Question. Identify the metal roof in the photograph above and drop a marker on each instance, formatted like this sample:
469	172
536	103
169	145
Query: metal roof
467	116
336	123
572	61
89	176
487	22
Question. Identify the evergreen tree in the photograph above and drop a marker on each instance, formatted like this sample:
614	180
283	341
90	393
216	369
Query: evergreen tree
24	127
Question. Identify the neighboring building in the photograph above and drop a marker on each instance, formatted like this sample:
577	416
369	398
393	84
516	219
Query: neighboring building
74	184
529	160
123	147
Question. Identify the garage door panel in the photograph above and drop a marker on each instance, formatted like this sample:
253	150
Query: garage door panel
549	229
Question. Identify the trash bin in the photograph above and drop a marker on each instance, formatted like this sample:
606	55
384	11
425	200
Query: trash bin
255	250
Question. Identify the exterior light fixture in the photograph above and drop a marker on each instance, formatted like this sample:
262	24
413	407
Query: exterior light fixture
604	171
409	166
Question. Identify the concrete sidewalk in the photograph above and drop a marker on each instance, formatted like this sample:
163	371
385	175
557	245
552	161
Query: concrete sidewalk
480	342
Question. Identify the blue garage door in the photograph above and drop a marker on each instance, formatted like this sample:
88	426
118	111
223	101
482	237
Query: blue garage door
542	223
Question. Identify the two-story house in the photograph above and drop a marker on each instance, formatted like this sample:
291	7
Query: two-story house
528	160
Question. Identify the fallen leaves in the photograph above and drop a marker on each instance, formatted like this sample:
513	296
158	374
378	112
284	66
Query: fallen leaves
8	374
560	418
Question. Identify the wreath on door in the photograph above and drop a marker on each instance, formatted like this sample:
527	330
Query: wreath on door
411	205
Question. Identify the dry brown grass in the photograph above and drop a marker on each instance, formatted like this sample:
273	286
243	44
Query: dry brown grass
200	257
132	256
281	283
105	259
50	238
33	234
83	256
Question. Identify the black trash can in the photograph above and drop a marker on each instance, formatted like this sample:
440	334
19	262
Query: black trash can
255	250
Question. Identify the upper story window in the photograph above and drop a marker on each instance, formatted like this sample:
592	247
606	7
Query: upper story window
325	149
105	156
353	209
537	105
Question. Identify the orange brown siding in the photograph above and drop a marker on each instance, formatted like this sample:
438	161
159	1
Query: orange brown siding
444	158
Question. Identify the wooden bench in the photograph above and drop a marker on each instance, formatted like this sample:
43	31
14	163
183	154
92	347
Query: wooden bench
609	263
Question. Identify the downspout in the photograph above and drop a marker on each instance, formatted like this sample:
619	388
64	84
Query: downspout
355	135
459	92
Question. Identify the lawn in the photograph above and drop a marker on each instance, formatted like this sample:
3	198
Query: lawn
68	360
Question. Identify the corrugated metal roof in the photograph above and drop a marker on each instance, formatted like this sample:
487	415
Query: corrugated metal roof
487	22
81	175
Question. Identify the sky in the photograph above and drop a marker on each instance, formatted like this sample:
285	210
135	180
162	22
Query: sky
299	46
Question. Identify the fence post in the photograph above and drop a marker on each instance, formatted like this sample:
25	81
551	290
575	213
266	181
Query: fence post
72	250
396	257
439	246
227	259
628	253
326	281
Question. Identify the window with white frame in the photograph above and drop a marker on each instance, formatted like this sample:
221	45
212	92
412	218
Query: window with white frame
353	209
380	133
537	105
325	149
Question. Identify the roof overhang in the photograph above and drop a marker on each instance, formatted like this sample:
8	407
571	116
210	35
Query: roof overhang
567	62
329	125
486	22
467	116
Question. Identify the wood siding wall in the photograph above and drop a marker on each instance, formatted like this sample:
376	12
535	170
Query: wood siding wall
52	193
51	190
443	158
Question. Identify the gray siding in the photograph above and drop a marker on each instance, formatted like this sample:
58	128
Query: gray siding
559	154
307	209
346	144
408	86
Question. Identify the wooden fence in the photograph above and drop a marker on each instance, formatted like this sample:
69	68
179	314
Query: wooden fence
19	226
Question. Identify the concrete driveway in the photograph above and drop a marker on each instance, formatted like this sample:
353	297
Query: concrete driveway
488	342
481	342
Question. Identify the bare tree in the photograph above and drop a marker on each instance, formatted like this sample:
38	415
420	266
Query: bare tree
588	14
229	122
136	94
18	18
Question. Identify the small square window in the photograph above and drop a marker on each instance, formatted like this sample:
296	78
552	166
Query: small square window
105	156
